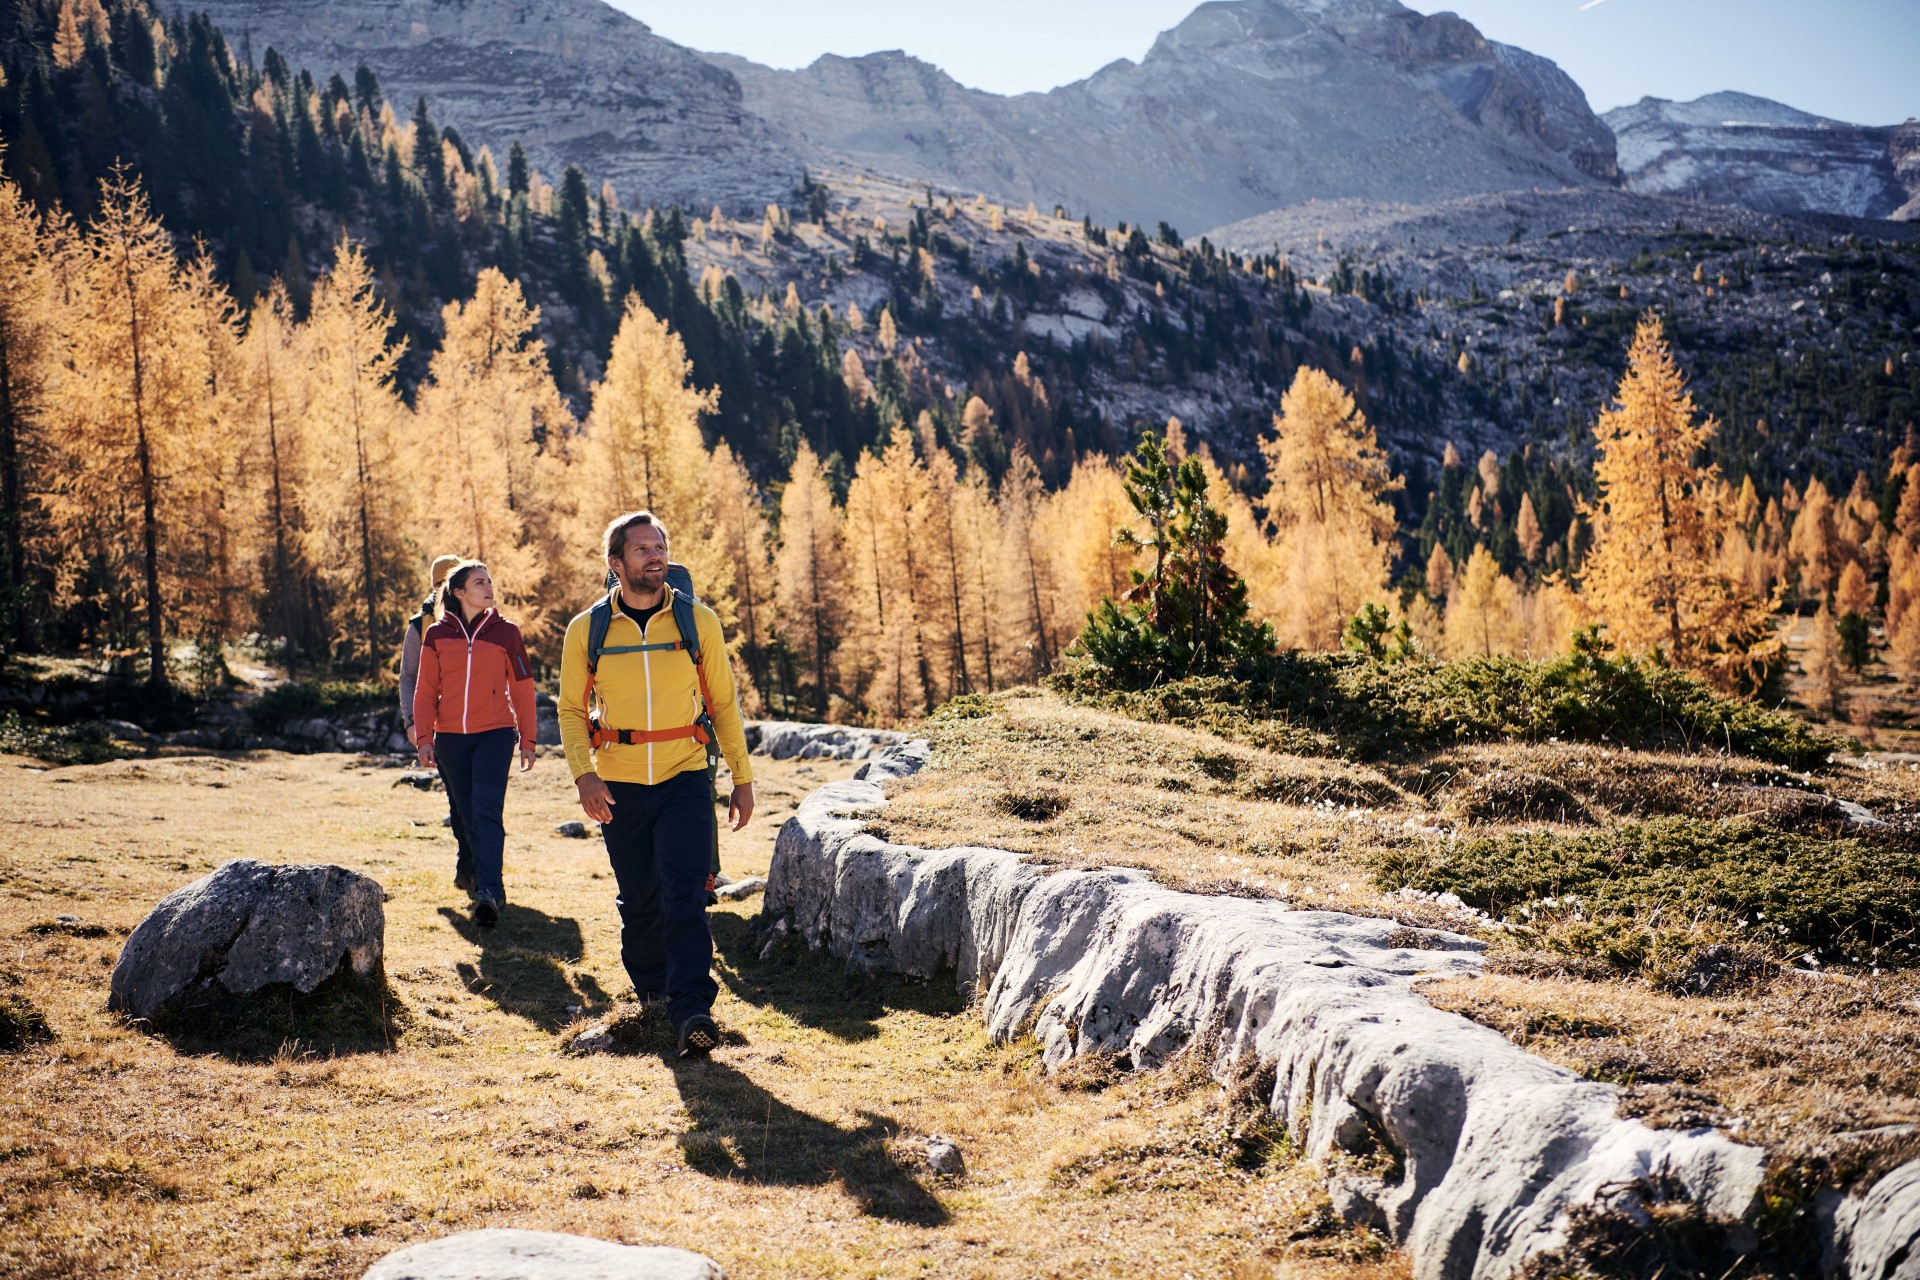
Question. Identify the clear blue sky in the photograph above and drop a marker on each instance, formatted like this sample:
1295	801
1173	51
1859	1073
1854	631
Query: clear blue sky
1855	60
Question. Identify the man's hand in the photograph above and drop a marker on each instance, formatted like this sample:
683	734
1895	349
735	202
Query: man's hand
740	805
526	757
425	746
594	797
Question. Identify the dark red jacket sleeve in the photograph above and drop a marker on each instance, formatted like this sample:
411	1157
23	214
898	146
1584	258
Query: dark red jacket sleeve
520	679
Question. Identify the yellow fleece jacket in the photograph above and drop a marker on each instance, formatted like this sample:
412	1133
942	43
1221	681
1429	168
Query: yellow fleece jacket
653	690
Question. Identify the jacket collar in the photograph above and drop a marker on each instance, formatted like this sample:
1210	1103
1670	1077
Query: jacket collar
479	624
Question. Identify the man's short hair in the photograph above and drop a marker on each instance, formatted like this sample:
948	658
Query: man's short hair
617	531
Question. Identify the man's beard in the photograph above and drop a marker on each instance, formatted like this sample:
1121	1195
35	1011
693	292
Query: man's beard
649	579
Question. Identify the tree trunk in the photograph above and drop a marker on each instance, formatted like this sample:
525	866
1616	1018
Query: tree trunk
819	636
366	535
282	590
10	503
149	517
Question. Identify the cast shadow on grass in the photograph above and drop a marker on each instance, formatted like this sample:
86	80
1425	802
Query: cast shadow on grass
815	989
523	963
344	1015
738	1130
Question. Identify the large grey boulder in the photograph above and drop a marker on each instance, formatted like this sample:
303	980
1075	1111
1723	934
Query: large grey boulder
1491	1149
251	925
498	1254
1876	1234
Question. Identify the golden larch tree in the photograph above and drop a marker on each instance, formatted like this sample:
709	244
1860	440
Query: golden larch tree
644	450
886	643
1078	525
812	596
130	412
1484	616
30	340
1814	543
1033	594
1326	501
487	414
276	393
363	496
1660	512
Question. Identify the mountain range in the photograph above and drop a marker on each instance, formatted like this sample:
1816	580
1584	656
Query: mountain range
1246	106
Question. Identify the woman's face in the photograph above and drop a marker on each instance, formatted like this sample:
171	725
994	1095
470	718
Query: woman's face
476	593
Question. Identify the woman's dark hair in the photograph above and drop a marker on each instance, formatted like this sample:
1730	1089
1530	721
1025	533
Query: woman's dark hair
458	578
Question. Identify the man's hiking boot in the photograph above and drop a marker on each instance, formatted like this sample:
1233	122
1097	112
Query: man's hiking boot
463	880
698	1036
486	913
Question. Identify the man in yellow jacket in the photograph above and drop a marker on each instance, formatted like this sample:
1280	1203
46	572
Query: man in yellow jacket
635	734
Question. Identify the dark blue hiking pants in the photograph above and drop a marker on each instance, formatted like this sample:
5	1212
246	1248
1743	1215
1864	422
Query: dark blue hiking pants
475	766
463	845
660	843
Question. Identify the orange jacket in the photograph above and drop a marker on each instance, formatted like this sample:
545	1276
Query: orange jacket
474	679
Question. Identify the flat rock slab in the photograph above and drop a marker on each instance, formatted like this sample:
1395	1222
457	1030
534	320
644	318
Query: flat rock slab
1493	1148
251	925
498	1254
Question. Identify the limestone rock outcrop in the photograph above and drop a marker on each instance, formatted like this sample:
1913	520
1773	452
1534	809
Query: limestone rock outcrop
503	1254
792	740
1488	1147
1876	1233
1734	148
251	925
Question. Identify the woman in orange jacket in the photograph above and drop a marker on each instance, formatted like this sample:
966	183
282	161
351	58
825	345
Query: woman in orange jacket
472	705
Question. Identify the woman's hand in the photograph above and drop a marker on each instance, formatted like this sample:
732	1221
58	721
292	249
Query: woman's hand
526	757
425	747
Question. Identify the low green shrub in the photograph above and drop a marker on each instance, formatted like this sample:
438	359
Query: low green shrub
1366	707
277	708
63	744
20	1023
1645	896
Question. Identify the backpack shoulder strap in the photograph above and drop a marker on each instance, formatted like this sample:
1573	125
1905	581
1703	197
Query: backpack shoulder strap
689	624
599	618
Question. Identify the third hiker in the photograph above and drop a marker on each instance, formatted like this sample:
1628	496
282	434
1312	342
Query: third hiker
641	705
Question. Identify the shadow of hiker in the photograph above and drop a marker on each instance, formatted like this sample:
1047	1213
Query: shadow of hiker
344	1015
815	989
738	1130
522	961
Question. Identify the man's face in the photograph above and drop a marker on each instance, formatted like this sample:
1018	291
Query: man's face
642	563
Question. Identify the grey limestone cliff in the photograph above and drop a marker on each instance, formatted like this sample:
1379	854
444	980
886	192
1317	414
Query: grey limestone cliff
574	81
1734	148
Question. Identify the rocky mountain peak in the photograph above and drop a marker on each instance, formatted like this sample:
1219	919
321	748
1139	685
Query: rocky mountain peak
1739	149
1243	106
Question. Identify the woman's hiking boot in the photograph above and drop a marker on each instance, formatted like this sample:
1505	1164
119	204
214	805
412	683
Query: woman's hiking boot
486	913
698	1036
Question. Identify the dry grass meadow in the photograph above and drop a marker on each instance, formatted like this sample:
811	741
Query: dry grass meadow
309	1138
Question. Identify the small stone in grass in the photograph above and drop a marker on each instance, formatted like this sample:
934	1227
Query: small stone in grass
572	830
943	1157
739	889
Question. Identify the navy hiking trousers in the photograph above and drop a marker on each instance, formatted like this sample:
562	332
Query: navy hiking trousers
475	767
660	843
